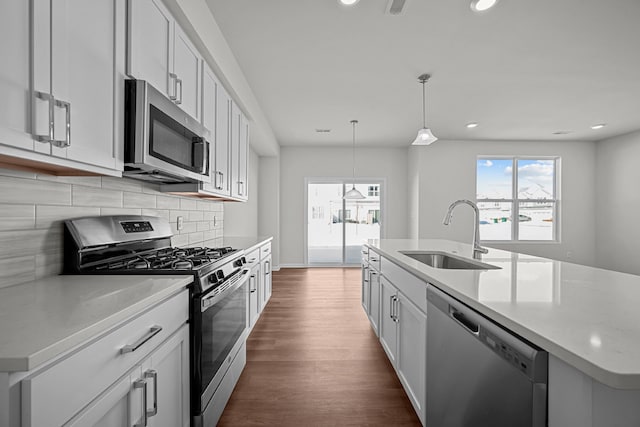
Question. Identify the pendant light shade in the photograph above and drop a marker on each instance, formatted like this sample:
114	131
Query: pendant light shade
353	194
425	136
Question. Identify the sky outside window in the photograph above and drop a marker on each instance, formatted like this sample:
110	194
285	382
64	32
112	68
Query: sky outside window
494	179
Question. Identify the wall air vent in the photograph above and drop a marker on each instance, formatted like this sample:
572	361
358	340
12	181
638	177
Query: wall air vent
323	130
395	7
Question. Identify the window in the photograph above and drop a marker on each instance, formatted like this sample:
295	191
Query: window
522	188
373	190
317	212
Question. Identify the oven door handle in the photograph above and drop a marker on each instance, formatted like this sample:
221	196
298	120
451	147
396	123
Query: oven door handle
212	300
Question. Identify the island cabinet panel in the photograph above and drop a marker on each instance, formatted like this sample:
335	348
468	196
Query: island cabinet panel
374	300
577	400
388	329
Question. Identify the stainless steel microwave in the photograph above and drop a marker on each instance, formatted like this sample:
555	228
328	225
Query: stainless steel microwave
162	143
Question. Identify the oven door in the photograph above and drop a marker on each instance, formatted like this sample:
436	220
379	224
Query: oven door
220	326
161	138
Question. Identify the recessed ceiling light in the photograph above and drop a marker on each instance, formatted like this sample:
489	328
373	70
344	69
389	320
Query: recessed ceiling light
482	5
348	2
598	126
472	125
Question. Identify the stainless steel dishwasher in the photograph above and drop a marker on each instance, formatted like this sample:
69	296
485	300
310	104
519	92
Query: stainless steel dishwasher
479	374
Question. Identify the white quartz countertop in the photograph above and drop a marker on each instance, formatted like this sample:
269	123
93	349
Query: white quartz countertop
42	319
246	243
588	317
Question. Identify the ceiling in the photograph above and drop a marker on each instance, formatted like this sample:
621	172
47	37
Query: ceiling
523	70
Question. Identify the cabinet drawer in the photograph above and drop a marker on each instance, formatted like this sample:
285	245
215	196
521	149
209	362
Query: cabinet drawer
265	250
252	258
53	396
374	259
414	288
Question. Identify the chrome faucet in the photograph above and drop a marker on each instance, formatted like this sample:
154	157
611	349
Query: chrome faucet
477	249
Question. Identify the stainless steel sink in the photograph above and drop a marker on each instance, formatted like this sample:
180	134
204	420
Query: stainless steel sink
447	261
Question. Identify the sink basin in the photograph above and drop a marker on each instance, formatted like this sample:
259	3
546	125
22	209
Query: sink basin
447	261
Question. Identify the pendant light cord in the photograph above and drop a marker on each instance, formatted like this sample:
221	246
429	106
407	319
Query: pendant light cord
353	122
424	115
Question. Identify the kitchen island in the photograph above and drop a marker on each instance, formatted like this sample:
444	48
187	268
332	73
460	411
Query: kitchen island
586	318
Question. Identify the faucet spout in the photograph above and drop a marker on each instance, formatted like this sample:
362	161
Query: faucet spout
477	249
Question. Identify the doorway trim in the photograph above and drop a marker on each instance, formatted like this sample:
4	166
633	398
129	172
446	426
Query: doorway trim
341	180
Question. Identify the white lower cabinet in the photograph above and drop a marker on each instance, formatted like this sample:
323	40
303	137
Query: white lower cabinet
265	284
136	375
403	335
254	297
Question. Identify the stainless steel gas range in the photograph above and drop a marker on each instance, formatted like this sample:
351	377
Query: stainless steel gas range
218	309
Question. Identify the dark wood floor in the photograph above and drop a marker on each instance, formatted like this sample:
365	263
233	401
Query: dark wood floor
313	359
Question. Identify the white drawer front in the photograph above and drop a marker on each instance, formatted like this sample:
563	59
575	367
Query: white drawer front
252	258
374	259
53	396
406	283
265	250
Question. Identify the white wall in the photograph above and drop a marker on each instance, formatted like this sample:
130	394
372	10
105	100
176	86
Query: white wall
447	171
241	218
618	203
296	163
269	204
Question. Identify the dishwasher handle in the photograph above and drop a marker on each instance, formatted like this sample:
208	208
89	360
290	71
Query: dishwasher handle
473	327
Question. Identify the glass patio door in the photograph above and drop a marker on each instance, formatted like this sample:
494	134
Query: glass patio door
337	228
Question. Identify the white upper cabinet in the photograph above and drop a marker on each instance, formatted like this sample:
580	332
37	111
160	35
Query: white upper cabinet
62	80
160	53
239	153
215	117
84	40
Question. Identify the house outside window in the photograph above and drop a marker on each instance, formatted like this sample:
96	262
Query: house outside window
373	190
518	187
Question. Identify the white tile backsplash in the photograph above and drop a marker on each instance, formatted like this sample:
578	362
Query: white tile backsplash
34	206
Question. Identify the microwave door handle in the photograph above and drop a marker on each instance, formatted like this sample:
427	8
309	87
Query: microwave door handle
206	157
199	153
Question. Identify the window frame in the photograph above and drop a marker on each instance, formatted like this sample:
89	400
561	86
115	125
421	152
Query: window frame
515	201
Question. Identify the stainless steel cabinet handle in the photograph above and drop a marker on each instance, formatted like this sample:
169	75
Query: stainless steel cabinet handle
391	307
221	176
373	273
179	100
253	276
152	373
267	269
395	311
375	259
143	385
175	86
66	142
130	348
51	100
240	188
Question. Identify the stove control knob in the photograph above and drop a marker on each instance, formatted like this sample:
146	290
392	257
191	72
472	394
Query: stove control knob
240	262
213	278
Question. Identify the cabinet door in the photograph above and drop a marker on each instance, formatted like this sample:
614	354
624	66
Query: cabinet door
266	282
365	297
84	63
412	350
243	158
234	133
223	141
254	297
120	405
167	375
150	53
387	326
186	67
374	299
15	126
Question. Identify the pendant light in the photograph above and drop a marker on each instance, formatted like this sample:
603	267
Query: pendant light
425	136
354	194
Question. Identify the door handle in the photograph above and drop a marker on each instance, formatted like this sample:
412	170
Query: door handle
391	307
174	77
143	385
396	311
50	100
66	142
179	82
467	323
152	373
